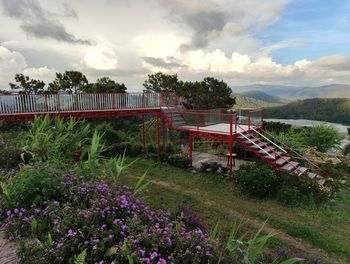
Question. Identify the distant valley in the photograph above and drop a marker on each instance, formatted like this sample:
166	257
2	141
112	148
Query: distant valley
326	103
294	92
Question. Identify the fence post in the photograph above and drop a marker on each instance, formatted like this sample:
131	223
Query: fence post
248	119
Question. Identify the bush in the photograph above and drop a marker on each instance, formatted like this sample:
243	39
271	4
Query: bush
10	156
179	161
131	149
258	180
346	150
322	137
291	195
33	185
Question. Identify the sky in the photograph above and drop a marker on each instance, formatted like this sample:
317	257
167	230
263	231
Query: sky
243	42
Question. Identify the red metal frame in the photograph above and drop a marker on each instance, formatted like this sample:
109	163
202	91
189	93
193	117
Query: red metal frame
167	99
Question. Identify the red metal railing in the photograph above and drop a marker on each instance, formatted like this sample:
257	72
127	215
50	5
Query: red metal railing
39	103
90	102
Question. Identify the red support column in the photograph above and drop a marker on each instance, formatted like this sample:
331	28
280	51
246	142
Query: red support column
164	135
230	147
143	136
191	146
158	137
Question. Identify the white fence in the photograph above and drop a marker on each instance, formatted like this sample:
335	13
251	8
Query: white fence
39	103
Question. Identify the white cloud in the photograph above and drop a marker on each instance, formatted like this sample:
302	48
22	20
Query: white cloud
41	73
11	62
101	57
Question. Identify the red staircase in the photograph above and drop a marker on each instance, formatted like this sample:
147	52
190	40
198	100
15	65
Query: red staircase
278	155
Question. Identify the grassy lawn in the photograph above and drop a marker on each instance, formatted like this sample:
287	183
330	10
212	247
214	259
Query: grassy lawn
319	232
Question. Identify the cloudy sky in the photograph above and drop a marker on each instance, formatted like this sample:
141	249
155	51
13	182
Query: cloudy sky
291	42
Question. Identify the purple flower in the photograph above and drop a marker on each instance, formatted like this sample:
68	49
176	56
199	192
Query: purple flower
71	233
154	255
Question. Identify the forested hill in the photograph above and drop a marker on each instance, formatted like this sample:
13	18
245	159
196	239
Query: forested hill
331	110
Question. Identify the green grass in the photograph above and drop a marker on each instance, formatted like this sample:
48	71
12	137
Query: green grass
324	228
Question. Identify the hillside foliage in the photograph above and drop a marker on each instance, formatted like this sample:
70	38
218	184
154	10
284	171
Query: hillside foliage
330	110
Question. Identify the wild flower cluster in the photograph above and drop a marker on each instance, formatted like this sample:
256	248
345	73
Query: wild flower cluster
111	224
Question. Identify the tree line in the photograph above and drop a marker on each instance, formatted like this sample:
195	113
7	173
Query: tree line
330	110
206	94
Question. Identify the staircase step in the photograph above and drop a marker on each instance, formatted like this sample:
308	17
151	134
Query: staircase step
275	154
282	160
301	170
320	180
290	166
311	175
255	139
261	145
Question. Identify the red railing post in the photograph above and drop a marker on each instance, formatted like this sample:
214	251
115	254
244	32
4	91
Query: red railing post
191	146
230	146
248	119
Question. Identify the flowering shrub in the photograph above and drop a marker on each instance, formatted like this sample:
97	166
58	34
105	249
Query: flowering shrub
111	224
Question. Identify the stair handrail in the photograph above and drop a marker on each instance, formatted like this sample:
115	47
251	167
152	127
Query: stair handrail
273	143
164	103
274	158
294	151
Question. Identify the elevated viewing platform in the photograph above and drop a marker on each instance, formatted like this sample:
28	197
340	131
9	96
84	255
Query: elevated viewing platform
227	125
17	107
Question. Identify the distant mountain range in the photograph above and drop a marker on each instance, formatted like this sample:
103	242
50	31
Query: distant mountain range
294	92
262	96
242	102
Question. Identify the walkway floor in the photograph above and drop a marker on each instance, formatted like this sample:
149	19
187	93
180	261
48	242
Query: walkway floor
221	128
199	157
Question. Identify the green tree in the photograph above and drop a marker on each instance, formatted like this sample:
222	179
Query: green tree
322	137
161	82
68	81
27	85
207	94
104	85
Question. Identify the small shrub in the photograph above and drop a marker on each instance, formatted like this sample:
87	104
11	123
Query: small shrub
346	150
258	180
33	185
179	161
10	156
291	195
214	167
131	149
205	167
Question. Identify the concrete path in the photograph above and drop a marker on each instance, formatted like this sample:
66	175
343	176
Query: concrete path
8	251
199	157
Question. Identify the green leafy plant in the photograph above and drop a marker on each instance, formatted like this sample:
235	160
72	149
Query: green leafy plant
141	184
80	259
116	166
54	140
32	185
